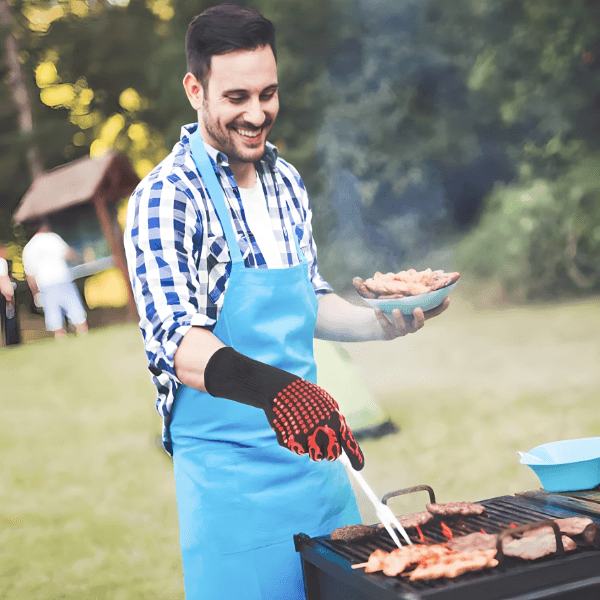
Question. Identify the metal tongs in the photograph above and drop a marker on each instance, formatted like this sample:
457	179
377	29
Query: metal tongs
383	512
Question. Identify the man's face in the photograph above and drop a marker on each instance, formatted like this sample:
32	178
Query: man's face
240	103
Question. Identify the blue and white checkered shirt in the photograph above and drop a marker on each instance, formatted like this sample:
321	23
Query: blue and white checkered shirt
178	257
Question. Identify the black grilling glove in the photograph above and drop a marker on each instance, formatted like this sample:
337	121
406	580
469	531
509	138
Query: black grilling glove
305	418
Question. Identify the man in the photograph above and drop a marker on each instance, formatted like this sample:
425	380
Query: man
223	267
45	260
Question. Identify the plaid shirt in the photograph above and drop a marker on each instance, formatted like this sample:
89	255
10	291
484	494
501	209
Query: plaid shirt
178	257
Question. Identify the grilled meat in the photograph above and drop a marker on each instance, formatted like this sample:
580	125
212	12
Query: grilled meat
472	542
450	509
405	283
412	520
375	562
535	546
455	564
395	562
352	532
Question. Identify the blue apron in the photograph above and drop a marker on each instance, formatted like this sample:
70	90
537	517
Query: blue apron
240	496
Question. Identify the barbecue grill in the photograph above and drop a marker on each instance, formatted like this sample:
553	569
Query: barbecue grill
575	575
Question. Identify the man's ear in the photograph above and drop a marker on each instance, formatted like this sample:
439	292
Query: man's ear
194	91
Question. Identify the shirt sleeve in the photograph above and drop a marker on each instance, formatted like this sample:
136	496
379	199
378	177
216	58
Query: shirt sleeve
319	284
162	240
3	267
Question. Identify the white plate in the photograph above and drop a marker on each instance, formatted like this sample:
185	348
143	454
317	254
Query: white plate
408	304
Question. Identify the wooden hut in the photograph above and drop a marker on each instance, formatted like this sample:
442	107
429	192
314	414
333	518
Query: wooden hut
79	200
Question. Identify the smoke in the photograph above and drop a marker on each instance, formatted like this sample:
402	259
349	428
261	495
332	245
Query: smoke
406	162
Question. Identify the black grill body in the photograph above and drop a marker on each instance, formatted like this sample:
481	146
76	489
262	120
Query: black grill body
573	576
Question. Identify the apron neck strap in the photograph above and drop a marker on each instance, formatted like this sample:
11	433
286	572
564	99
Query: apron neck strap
207	173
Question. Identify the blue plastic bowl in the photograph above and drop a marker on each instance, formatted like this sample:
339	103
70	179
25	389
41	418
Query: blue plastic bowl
567	465
408	304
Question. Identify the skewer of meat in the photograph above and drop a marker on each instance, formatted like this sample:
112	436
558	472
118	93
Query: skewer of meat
395	562
455	564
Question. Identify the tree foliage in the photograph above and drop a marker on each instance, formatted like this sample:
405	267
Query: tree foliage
409	121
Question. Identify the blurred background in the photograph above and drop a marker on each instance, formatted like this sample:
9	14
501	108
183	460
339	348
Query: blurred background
458	135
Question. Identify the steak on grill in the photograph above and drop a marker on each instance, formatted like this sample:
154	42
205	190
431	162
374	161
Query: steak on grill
581	527
537	546
473	541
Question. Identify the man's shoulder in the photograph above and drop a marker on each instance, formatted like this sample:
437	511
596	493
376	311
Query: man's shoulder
173	172
289	172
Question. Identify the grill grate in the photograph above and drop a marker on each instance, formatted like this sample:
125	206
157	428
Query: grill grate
509	580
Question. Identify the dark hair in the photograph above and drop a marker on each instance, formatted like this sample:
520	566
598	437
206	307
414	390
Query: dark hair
221	29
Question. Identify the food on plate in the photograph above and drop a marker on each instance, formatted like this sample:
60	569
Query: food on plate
455	564
450	509
413	520
388	286
352	532
473	541
536	546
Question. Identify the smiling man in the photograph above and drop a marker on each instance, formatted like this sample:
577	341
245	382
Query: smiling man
224	272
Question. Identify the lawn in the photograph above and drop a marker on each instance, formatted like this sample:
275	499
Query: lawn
88	500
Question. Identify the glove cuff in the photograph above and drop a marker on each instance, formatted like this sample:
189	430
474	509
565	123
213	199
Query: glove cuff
234	376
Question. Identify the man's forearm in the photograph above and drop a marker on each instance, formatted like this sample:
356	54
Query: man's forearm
6	288
193	353
32	284
340	321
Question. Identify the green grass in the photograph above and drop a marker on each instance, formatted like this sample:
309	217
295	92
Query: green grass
88	501
472	388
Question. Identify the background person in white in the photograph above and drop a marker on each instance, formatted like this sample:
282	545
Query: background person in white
6	287
45	262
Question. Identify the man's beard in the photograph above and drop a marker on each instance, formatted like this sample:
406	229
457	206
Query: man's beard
225	142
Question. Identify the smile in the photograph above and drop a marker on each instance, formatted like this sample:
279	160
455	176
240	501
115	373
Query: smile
249	134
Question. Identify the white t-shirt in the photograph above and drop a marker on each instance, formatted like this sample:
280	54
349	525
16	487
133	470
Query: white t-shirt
45	258
259	222
3	267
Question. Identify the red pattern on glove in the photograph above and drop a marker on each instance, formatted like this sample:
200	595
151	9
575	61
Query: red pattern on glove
307	420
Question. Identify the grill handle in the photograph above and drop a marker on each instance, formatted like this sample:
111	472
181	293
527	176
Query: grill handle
410	490
518	531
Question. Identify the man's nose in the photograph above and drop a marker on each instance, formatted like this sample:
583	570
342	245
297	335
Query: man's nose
255	115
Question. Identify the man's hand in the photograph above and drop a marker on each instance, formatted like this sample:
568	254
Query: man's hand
398	325
304	417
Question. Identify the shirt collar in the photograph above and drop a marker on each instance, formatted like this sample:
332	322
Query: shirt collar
269	157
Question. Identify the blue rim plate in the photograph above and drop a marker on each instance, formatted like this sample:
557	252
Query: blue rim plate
408	304
566	465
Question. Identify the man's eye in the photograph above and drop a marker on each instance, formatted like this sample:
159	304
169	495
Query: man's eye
267	96
236	99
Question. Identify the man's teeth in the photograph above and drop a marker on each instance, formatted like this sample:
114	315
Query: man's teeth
247	133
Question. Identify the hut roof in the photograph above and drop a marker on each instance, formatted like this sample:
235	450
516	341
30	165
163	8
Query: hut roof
78	182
